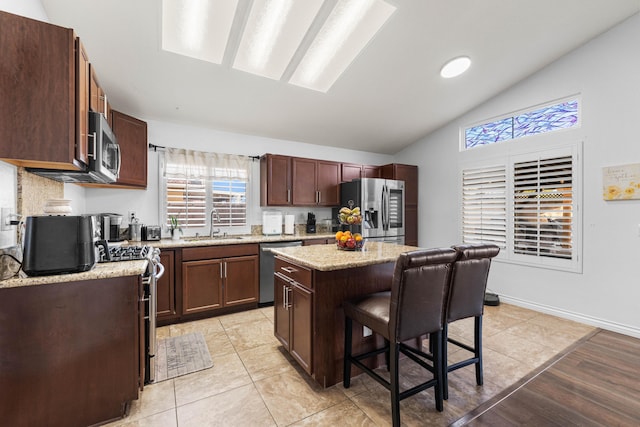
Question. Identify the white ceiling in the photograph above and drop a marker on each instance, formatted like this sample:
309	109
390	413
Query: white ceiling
389	97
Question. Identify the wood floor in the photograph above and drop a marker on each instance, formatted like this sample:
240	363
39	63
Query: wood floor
595	383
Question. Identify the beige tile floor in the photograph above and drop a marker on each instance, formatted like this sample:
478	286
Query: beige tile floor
255	383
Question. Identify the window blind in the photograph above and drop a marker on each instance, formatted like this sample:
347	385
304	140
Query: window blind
230	203
187	201
484	205
544	207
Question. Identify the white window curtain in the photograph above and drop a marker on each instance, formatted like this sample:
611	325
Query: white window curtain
191	164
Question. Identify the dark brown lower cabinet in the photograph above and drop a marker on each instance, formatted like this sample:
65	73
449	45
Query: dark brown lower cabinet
70	353
210	284
166	289
293	308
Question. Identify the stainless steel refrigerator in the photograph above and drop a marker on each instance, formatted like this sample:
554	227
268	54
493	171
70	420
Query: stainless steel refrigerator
381	203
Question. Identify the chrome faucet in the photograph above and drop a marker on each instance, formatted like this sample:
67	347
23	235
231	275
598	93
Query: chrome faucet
211	230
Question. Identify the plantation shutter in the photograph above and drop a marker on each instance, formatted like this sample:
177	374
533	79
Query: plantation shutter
187	201
544	207
230	203
484	206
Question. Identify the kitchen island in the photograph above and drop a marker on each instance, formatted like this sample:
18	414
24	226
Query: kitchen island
310	284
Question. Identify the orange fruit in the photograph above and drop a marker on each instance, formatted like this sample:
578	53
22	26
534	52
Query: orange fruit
338	235
347	233
358	238
344	238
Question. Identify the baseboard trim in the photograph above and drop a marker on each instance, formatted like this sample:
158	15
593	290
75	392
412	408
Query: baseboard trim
578	317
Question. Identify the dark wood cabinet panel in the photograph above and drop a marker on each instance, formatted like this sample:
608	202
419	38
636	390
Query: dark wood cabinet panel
304	182
98	98
201	285
297	181
82	103
72	347
370	171
301	331
310	242
166	289
406	173
281	311
275	180
38	102
411	225
349	172
328	183
293	305
241	280
132	139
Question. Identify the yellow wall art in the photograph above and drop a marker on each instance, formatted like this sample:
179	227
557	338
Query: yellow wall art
621	182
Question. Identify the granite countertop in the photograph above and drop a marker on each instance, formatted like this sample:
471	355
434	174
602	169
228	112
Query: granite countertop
100	271
233	240
329	257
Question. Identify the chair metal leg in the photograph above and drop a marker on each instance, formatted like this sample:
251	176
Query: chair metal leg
444	361
477	342
346	379
386	354
439	371
394	356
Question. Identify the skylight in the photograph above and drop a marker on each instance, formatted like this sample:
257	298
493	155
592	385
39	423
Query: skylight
306	43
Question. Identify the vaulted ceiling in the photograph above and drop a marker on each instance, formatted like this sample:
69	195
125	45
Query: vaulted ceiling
390	96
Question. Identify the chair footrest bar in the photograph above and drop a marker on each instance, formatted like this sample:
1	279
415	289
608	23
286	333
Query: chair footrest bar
462	364
461	345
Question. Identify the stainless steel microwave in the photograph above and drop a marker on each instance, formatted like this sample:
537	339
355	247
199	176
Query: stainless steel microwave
104	156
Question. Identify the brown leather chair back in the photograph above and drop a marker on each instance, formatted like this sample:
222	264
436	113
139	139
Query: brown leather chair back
419	292
469	280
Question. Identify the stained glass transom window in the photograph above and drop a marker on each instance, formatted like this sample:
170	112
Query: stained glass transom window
541	120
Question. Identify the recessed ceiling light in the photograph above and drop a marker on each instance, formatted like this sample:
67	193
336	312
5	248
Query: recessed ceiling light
455	67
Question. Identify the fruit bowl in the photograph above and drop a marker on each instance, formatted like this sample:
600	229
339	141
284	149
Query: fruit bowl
350	216
358	247
345	241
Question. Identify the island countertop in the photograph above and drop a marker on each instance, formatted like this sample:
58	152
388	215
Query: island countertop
329	257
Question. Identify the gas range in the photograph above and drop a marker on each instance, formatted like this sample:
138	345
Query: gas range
125	253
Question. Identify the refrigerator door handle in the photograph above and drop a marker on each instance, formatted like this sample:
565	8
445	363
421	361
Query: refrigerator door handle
385	207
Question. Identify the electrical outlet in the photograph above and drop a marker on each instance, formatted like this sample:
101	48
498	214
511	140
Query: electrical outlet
6	215
366	332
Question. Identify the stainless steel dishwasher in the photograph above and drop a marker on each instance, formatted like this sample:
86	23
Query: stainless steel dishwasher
266	269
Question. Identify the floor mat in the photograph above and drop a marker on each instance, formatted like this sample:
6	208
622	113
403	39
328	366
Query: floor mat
181	355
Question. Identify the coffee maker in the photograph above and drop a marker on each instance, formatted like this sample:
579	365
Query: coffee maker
109	224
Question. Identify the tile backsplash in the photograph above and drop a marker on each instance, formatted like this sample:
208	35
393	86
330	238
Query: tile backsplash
34	191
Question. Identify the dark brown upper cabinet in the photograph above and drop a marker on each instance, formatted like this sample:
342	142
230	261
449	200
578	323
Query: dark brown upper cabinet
43	82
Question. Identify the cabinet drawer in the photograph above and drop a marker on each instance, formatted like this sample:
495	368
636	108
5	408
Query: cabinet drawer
301	275
223	251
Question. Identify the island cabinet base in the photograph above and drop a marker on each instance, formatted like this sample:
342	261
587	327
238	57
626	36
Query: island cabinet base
70	353
331	288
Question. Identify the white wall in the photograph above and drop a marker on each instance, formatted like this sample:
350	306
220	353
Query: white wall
606	72
30	8
165	134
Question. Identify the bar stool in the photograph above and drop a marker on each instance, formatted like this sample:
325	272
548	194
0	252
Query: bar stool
466	299
413	308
